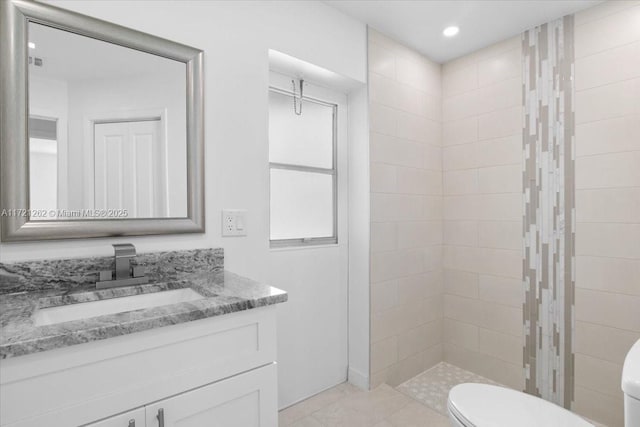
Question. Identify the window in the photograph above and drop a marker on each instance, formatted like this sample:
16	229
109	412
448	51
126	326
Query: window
303	176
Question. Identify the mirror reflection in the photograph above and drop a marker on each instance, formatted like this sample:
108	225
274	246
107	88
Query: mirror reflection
107	130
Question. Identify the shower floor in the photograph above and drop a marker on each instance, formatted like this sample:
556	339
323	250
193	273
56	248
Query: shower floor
431	387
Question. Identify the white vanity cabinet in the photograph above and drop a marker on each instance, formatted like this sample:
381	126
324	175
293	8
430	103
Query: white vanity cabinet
218	371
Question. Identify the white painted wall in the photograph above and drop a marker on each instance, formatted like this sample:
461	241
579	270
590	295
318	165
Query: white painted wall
49	98
236	37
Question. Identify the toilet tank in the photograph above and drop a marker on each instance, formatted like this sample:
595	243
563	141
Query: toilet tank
631	386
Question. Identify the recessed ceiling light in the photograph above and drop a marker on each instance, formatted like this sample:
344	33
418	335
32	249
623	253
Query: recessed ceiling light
451	31
32	45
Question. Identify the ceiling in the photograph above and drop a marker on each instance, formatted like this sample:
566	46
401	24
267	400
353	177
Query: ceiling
67	56
419	24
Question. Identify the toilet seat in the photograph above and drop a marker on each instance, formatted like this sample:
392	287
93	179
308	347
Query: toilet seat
483	405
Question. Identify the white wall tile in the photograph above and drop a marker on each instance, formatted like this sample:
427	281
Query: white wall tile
383	119
418	128
599	406
608	240
384	178
384	295
609	66
500	234
463	258
500	179
500	123
419	74
608	136
461	334
458	208
609	32
499	345
461	182
461	233
501	290
500	67
500	151
609	101
500	262
460	80
461	131
382	60
467	310
413	180
500	95
608	205
383	90
396	207
460	106
608	309
500	207
415	234
460	157
617	275
502	318
608	170
391	150
432	158
597	374
384	236
384	353
461	283
604	342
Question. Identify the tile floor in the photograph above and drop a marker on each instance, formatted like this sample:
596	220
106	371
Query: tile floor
348	406
419	402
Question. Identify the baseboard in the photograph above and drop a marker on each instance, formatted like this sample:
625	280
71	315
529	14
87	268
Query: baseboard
358	379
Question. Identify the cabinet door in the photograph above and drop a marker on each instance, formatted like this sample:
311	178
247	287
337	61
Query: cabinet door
135	418
245	400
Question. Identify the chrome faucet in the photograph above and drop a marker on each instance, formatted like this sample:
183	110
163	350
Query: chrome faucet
124	274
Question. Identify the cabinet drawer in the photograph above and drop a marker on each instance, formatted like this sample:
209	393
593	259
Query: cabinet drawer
76	385
246	400
135	418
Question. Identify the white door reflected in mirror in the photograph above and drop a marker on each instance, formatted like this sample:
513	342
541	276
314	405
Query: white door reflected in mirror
107	130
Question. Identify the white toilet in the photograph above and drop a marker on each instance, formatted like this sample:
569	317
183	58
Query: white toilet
631	386
482	405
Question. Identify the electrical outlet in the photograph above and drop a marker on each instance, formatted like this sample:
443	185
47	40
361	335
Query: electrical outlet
234	222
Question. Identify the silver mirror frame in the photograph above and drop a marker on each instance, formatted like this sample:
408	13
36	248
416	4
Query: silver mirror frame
14	112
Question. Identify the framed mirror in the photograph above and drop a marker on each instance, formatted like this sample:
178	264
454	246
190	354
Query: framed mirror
101	128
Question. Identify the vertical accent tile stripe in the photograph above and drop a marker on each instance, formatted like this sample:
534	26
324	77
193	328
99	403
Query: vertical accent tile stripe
549	210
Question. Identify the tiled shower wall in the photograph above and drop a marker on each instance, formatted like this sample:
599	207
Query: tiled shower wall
482	162
607	305
406	211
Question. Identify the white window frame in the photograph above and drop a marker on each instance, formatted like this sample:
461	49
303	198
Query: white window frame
333	171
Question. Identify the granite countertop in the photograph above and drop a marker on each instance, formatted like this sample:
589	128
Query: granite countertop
223	292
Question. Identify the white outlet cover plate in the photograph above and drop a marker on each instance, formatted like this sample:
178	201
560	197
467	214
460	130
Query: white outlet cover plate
234	222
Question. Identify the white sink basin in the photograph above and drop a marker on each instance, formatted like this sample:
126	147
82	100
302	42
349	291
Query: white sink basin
84	310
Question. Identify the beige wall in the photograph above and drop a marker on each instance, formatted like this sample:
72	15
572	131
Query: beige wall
482	167
406	211
607	47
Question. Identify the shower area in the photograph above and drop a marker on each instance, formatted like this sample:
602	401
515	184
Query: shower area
505	213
